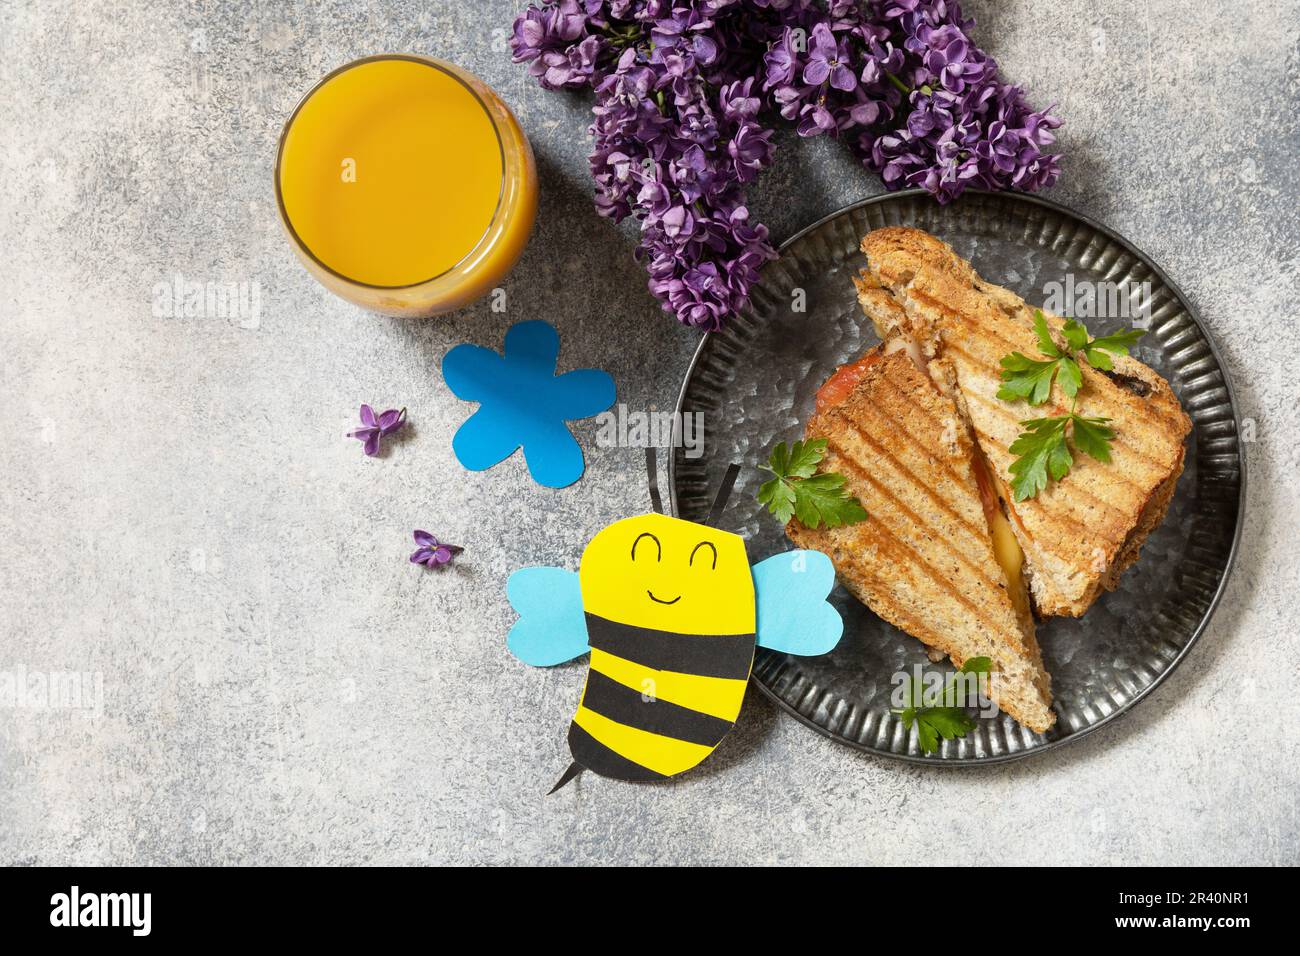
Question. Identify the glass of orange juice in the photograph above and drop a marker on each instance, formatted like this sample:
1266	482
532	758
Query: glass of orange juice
405	184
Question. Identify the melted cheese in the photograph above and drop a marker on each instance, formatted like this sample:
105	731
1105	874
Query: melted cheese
1006	550
902	343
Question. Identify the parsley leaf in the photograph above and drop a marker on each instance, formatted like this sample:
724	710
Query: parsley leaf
1119	343
1044	447
925	734
1043	451
934	720
1076	334
1069	377
946	722
822	499
1045	343
778	495
1031	379
1027	379
796	490
1093	436
804	457
1095	350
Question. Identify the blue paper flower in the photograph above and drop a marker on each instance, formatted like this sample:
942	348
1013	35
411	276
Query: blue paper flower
522	402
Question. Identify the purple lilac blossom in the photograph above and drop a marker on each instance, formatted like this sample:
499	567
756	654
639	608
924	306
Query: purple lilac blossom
375	427
685	91
431	552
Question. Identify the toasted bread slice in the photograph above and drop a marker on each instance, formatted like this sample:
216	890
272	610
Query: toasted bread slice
923	560
1080	533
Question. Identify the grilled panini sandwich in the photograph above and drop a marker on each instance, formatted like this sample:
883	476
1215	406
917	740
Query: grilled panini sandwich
1080	533
924	559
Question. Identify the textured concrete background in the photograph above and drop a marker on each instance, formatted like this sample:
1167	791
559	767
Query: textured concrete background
182	515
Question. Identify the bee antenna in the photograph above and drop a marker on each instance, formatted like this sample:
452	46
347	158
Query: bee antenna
724	492
652	478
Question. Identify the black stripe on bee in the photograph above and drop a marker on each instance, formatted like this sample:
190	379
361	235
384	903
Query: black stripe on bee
630	707
705	655
595	756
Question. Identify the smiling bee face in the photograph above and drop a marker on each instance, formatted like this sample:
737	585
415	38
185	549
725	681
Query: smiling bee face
668	574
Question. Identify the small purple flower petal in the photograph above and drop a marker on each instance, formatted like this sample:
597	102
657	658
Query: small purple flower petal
842	78
375	427
391	420
815	73
432	553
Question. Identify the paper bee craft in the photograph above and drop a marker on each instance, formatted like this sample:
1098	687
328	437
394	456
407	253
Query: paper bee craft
670	611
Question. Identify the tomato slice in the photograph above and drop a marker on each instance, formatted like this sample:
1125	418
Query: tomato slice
844	380
988	495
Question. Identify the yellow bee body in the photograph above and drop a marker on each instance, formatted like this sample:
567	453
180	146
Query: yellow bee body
670	612
671	625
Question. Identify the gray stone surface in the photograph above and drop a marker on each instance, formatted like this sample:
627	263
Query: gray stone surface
182	516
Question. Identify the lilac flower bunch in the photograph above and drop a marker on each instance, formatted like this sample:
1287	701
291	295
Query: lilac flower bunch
685	91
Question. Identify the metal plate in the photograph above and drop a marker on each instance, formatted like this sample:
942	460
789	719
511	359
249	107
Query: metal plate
754	383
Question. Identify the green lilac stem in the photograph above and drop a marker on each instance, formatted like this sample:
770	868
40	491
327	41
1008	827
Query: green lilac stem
903	87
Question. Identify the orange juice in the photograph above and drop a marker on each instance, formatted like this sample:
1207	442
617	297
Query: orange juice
406	185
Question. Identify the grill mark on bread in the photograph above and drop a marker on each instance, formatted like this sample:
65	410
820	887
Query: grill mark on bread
936	581
1153	403
872	589
1141	484
911	476
1134	436
941	464
865	402
860	402
909	557
949	315
862	398
1100	392
948	305
1081	526
847	462
1152	514
1024	692
924	411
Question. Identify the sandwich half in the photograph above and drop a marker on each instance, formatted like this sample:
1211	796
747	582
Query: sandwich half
1080	533
924	559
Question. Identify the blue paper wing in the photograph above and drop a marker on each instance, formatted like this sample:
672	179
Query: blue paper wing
552	627
793	613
